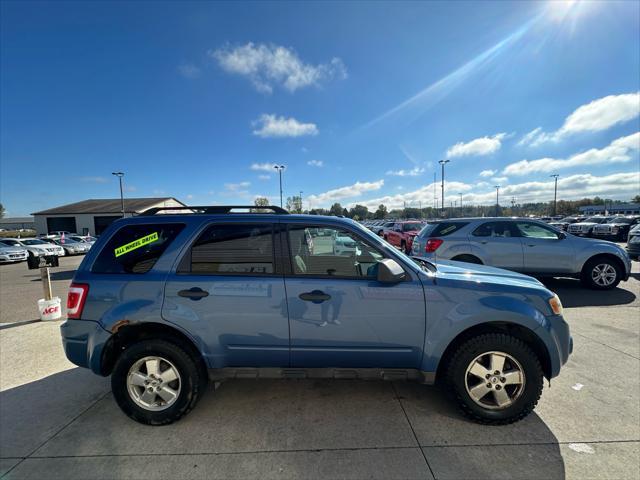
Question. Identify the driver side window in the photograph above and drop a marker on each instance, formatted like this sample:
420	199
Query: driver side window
332	252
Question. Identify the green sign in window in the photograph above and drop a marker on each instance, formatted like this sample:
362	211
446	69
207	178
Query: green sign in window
140	242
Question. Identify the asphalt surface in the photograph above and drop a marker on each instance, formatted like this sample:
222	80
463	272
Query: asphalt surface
59	421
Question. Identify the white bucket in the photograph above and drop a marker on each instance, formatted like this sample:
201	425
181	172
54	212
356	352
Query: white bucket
49	309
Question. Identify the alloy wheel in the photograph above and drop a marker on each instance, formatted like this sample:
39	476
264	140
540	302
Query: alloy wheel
494	380
604	274
154	383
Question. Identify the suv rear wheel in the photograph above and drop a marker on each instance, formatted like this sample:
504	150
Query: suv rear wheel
495	378
156	382
601	274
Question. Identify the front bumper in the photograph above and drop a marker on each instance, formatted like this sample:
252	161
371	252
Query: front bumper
83	342
10	258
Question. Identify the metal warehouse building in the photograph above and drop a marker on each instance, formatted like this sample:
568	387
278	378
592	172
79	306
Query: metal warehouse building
92	217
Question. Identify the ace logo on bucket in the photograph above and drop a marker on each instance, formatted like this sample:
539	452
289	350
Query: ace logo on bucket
140	242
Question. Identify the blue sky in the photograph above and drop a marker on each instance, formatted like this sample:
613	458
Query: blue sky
359	100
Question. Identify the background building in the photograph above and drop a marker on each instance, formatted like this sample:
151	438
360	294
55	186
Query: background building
614	209
17	223
93	216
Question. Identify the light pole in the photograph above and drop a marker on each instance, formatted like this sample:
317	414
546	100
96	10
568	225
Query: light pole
555	192
280	168
460	203
301	201
497	187
443	163
120	175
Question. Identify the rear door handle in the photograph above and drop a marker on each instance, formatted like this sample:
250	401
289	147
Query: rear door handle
195	293
316	296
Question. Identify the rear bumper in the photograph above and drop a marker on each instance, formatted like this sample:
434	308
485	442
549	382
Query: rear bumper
83	342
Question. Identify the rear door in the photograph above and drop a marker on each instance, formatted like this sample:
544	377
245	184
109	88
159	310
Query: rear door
498	245
228	291
339	314
545	250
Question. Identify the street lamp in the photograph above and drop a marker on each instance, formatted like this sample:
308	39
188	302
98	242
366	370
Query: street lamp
555	192
301	192
460	204
497	187
120	175
443	163
280	168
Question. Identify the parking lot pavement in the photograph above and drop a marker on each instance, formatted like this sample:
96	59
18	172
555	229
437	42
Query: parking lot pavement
57	421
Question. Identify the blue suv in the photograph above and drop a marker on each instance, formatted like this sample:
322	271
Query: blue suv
170	299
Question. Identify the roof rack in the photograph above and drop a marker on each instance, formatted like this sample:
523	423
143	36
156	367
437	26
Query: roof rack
215	209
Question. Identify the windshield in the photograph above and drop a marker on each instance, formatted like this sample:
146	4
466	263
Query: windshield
621	220
34	242
568	219
12	243
594	220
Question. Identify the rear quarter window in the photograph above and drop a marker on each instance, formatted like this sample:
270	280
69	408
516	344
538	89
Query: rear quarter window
135	248
442	229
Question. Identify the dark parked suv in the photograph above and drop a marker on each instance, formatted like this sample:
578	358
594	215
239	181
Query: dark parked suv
165	302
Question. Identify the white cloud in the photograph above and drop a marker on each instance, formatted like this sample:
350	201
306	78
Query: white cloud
235	187
423	194
315	163
341	193
268	126
189	197
595	116
414	172
498	180
265	167
618	151
189	70
267	66
264	177
488	173
478	146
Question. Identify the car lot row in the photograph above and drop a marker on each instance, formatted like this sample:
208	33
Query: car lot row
524	245
19	249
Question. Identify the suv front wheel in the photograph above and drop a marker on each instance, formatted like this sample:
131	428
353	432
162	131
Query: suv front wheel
156	382
495	378
601	274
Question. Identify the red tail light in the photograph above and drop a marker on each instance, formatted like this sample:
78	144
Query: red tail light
76	298
433	244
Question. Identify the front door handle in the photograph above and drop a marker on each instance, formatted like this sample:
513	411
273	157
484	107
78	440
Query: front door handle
195	293
316	296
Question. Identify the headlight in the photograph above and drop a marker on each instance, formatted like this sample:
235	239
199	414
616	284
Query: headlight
556	305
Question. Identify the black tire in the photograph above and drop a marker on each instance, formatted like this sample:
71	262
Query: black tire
468	259
586	277
193	384
456	378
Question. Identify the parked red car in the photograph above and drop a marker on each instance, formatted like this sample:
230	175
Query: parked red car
401	234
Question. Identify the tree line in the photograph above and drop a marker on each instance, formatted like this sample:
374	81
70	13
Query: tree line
361	212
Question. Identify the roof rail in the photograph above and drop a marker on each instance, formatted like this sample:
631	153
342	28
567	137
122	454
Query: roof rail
215	209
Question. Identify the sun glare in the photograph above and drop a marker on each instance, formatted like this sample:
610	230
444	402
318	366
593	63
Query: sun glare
566	10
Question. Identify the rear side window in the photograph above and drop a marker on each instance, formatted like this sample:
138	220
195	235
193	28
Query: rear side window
234	249
441	229
494	229
136	248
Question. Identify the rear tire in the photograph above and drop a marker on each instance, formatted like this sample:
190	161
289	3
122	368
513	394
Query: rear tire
498	399
174	388
601	274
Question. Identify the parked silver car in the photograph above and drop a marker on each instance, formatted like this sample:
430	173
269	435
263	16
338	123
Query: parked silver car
10	254
524	245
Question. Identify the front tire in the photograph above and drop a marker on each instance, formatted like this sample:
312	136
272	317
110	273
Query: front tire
601	274
156	382
495	379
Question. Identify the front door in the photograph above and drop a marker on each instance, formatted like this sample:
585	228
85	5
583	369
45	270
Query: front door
227	292
498	245
545	249
339	314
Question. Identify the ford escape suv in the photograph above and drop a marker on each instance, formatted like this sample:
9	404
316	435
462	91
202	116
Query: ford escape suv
165	302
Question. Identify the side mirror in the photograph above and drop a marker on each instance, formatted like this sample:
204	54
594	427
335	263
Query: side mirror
389	271
562	235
